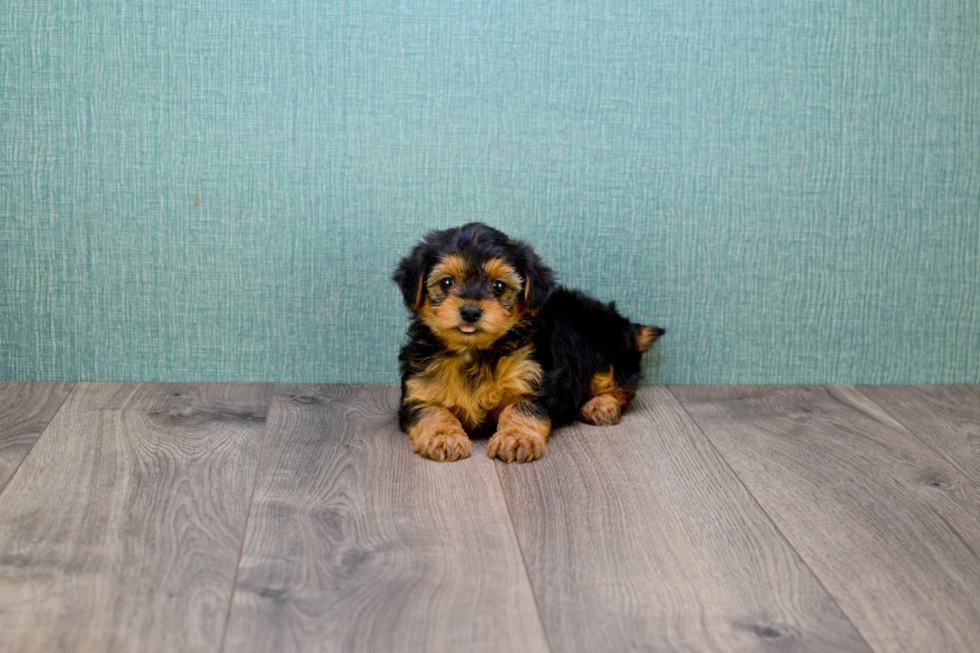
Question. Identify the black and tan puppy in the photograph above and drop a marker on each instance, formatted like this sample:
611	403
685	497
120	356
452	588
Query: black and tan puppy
496	349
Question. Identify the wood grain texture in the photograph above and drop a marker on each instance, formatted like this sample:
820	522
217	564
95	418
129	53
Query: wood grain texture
889	527
638	537
355	543
122	529
25	410
946	417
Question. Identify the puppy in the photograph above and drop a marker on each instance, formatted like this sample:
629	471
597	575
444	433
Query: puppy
496	349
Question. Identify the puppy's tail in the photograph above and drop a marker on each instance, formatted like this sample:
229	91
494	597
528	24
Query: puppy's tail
642	337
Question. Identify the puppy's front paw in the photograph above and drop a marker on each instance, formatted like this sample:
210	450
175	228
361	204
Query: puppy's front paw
602	410
443	443
511	443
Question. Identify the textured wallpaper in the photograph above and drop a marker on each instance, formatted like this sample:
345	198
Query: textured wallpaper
219	190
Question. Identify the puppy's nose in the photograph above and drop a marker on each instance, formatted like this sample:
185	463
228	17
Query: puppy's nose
470	312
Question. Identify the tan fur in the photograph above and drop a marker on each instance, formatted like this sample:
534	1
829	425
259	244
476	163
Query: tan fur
418	298
473	391
519	436
457	388
418	295
645	338
603	410
438	435
444	319
454	266
607	400
497	268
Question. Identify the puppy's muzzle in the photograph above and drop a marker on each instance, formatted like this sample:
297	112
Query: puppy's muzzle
470	313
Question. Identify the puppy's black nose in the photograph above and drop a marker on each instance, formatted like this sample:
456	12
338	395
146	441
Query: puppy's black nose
470	312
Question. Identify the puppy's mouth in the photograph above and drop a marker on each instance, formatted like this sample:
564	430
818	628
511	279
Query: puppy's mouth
468	329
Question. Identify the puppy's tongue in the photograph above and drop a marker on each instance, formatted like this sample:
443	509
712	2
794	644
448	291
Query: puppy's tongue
467	329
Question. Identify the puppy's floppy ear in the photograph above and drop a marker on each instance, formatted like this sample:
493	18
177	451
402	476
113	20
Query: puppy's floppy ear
411	273
539	281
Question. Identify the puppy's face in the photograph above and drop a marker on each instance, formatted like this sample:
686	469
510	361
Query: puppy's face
472	303
472	284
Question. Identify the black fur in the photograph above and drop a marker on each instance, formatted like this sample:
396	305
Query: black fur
476	242
574	336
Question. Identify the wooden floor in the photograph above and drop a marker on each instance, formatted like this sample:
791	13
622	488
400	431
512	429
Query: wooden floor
220	517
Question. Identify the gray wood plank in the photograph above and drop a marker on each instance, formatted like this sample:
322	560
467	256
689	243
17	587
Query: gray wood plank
121	530
355	543
638	537
946	417
25	410
888	526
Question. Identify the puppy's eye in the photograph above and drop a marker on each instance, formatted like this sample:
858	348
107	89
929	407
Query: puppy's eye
447	283
499	287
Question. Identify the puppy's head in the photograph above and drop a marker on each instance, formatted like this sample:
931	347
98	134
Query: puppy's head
472	284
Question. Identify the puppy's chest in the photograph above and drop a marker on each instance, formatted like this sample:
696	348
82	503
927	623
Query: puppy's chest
474	389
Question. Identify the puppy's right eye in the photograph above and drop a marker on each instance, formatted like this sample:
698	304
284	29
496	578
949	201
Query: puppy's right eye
446	283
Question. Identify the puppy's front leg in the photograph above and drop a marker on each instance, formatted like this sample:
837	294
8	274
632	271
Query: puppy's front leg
437	434
522	433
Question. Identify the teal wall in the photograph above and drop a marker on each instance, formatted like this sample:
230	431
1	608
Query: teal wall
219	190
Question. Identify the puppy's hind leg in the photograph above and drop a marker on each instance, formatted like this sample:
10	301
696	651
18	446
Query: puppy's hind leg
607	396
606	400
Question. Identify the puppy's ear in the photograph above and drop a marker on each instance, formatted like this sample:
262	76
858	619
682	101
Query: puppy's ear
410	275
539	281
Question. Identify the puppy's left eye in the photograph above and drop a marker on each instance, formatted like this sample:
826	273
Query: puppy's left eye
499	287
447	283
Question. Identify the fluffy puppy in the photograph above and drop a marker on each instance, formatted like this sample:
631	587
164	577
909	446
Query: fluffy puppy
496	349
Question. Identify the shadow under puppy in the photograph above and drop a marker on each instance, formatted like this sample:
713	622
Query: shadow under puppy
496	349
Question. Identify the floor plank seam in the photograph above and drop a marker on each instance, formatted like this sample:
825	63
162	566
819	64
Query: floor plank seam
772	521
34	444
640	537
517	542
248	515
926	443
